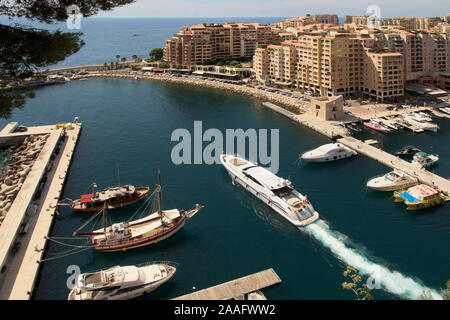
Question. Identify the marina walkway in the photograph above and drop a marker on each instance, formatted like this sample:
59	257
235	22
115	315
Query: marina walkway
17	281
392	161
235	288
332	131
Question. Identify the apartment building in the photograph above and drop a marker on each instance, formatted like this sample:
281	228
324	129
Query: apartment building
447	18
203	43
424	53
416	23
336	64
299	22
356	20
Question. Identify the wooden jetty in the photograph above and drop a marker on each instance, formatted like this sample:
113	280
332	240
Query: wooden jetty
235	288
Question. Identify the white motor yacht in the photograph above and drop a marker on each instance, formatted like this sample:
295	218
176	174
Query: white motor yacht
424	160
422	121
445	110
122	283
276	192
328	152
391	181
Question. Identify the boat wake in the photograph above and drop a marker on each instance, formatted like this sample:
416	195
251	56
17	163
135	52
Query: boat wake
390	280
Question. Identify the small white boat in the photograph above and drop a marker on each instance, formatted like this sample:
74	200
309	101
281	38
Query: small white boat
254	295
328	152
445	110
394	180
424	160
276	192
419	116
122	283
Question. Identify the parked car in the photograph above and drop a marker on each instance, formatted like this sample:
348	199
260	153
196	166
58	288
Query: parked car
21	129
16	247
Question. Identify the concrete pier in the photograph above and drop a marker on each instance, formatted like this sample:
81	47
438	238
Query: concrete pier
235	288
21	268
394	162
332	131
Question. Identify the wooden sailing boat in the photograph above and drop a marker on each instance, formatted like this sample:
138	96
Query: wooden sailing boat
116	197
154	227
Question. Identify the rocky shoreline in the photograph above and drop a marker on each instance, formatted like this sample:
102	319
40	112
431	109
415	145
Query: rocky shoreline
291	104
20	163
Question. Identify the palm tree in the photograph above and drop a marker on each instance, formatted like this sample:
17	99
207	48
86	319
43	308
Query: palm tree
105	65
118	57
135	57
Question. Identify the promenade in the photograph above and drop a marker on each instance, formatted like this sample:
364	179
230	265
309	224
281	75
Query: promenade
21	268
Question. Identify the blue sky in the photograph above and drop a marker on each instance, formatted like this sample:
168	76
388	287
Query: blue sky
277	8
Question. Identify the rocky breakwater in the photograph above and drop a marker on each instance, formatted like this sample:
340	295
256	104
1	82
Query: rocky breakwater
292	104
20	163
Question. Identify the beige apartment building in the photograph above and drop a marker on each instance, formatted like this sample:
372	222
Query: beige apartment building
424	53
447	18
356	20
204	43
416	23
336	64
299	22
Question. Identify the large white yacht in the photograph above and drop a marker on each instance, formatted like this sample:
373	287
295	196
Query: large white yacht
276	192
328	152
122	283
421	120
391	181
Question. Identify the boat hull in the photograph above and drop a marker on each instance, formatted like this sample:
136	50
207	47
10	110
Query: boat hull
391	187
142	242
142	193
368	125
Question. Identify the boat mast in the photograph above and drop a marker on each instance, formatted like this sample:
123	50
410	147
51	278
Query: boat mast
104	216
118	172
160	205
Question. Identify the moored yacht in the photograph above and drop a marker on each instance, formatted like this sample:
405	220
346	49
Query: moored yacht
328	152
376	125
424	160
445	110
422	121
122	283
276	192
408	151
391	181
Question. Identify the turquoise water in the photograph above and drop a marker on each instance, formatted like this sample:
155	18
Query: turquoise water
130	122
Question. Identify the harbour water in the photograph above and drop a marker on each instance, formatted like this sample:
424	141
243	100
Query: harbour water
130	122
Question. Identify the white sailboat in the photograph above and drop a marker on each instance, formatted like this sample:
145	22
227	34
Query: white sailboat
276	192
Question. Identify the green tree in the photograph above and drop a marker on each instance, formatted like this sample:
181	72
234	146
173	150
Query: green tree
157	54
164	65
25	49
363	292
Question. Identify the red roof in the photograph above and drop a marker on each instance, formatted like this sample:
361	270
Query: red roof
86	198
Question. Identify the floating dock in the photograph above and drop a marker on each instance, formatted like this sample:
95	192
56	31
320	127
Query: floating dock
20	269
235	288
